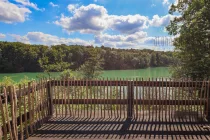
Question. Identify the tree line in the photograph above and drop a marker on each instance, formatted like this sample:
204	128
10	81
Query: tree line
20	57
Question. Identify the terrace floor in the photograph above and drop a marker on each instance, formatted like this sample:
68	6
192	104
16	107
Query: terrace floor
116	128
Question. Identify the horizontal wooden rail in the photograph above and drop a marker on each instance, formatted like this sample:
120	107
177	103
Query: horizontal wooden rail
126	83
125	101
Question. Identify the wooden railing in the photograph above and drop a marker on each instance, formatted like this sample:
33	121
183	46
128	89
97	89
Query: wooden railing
132	97
25	109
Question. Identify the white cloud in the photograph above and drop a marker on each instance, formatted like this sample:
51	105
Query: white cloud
127	24
86	19
136	37
53	5
10	12
72	7
95	19
29	4
136	40
2	35
166	2
19	38
175	2
161	21
47	39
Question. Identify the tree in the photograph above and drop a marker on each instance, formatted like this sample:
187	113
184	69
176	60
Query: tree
92	67
192	44
153	61
20	57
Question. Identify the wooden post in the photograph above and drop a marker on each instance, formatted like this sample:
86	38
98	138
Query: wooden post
50	97
208	101
130	96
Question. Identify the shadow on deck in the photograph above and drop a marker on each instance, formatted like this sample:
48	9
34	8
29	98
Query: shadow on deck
109	128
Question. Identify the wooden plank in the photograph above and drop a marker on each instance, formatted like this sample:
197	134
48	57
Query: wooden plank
111	97
104	97
117	99
136	101
130	100
69	93
61	94
84	90
33	102
120	98
179	97
46	106
36	116
94	96
149	93
115	89
11	94
57	92
25	115
124	106
42	101
208	101
39	103
7	114
1	131
169	96
81	97
143	93
107	93
98	107
77	97
15	110
29	107
124	101
156	106
166	107
50	97
91	96
87	99
152	86
123	83
65	96
3	120
101	99
162	105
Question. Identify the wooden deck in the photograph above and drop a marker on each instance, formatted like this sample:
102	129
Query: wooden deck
116	128
106	109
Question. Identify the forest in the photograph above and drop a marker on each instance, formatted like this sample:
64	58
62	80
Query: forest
19	57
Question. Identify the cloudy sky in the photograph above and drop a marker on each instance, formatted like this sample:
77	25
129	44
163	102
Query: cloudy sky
112	23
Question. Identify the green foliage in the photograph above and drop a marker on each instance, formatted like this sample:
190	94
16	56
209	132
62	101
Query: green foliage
192	46
92	67
19	57
67	74
25	80
7	81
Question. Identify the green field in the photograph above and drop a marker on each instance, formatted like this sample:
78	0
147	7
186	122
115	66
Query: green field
158	72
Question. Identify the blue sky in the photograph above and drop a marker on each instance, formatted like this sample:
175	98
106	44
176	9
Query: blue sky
112	23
